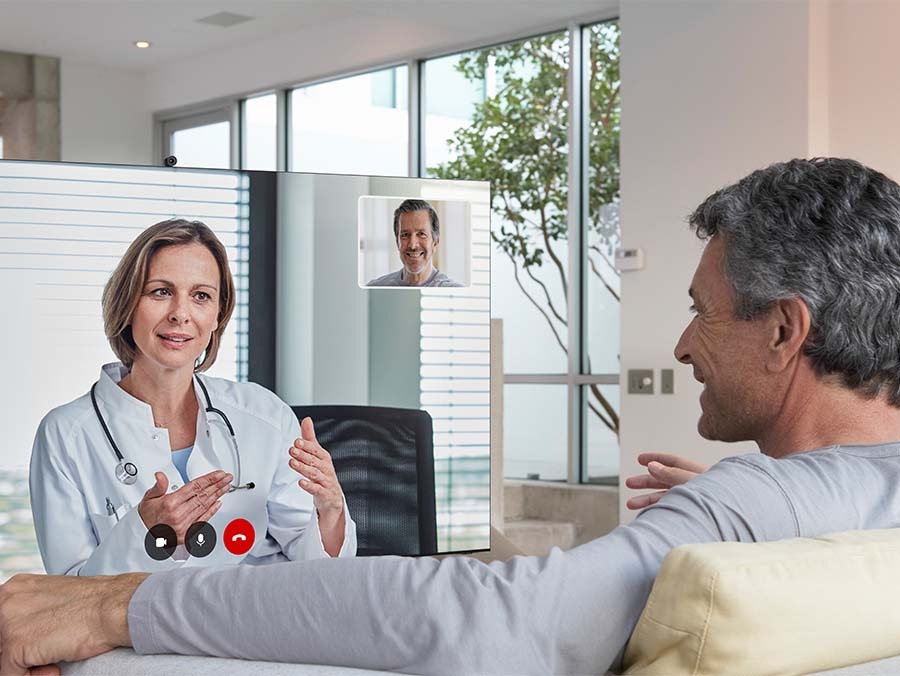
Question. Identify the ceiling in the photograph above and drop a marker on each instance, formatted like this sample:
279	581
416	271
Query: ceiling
103	31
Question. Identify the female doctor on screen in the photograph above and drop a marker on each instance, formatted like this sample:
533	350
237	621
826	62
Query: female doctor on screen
156	442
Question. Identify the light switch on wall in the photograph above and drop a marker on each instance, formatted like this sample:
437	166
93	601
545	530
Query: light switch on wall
640	381
667	381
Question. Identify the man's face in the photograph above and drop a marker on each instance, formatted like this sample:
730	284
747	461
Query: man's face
415	241
728	356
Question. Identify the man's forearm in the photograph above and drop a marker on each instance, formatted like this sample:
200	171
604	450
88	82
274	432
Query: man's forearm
114	607
568	613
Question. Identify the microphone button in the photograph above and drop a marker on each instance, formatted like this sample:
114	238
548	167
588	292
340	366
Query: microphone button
200	539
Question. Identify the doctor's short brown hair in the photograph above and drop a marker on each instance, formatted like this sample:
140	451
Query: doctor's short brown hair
124	288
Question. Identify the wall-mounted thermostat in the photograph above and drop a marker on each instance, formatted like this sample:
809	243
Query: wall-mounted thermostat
629	259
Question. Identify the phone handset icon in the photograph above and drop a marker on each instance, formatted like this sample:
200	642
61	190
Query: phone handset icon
239	536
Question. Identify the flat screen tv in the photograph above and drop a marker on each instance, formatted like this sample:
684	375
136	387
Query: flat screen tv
349	292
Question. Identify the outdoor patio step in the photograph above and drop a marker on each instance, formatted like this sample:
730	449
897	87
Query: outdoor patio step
539	536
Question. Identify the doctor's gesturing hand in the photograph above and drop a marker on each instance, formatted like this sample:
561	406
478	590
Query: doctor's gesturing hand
197	500
313	462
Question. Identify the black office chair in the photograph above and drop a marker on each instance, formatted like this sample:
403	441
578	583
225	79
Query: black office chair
384	459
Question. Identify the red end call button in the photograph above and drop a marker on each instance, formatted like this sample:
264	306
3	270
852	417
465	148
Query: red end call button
239	537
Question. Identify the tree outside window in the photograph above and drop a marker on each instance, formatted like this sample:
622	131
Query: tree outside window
518	141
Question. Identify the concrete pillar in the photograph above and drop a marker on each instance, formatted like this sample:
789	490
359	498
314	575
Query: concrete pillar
29	106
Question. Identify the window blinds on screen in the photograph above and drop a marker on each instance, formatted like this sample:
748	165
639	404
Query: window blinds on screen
63	228
455	390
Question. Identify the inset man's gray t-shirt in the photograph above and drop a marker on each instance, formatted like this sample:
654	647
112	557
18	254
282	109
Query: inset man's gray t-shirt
437	278
567	613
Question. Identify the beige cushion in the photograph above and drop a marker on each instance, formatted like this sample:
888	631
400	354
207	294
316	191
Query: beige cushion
788	607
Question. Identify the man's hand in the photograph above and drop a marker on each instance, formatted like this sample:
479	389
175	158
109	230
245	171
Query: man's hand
319	480
48	619
664	470
196	501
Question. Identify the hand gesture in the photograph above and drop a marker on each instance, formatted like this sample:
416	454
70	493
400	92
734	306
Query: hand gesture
196	501
314	464
664	470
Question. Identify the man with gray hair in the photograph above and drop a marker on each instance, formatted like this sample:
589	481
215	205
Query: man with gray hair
795	336
417	232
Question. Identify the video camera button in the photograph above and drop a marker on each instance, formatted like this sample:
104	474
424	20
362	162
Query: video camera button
160	542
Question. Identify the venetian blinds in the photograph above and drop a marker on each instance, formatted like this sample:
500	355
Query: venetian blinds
455	389
63	228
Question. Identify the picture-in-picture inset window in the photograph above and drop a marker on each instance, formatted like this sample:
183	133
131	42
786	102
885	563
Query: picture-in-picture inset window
409	242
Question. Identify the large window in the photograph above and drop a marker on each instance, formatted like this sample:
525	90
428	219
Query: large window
355	125
259	137
504	114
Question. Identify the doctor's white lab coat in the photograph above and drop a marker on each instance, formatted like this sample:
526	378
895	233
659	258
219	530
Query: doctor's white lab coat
73	475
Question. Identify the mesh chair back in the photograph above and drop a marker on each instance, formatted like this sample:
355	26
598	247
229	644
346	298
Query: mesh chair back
384	459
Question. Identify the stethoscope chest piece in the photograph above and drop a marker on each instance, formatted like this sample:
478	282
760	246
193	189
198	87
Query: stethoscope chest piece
126	472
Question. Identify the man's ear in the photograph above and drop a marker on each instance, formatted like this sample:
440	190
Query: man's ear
789	324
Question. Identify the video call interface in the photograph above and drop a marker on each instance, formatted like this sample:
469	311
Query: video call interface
362	302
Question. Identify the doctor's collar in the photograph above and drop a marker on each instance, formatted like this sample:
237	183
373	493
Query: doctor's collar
111	394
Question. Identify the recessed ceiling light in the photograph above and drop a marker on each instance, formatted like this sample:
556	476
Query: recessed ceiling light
142	44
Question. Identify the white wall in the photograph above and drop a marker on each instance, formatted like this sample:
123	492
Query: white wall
864	87
105	117
711	91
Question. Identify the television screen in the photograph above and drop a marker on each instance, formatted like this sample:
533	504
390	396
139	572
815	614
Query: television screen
308	324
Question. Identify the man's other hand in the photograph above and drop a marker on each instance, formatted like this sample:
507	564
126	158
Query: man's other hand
46	619
664	470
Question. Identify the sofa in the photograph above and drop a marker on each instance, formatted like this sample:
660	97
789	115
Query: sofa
828	606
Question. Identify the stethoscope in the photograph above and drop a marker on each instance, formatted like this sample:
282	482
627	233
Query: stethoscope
127	472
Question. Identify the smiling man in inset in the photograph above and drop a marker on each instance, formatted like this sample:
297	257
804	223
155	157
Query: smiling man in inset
417	231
